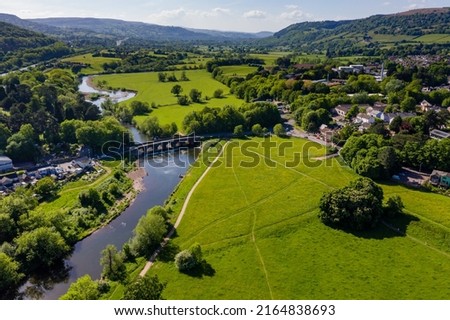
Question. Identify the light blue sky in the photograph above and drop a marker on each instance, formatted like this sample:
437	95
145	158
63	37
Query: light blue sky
233	15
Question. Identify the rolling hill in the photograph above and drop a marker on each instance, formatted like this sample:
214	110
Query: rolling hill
96	30
13	38
369	33
20	47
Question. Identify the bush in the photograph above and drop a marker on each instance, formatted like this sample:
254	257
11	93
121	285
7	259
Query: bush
279	130
183	100
257	130
189	259
218	94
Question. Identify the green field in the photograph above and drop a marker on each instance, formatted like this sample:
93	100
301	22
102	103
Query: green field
269	58
237	70
94	62
261	237
149	89
434	38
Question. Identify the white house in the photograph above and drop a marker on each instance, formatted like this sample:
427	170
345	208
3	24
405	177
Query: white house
343	109
5	164
364	118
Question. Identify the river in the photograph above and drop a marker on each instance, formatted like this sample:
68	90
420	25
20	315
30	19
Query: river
163	174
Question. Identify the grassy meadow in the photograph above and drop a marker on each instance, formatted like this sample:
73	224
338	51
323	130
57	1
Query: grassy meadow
94	62
261	238
149	89
269	58
241	71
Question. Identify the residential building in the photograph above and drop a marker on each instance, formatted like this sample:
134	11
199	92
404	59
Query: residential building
343	109
425	106
364	118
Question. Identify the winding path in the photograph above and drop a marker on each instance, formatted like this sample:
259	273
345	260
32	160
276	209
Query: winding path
155	254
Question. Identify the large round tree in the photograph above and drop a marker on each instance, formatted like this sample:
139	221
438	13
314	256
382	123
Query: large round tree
357	206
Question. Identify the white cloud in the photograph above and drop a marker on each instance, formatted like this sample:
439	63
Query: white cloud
221	11
170	16
295	14
386	3
291	6
255	14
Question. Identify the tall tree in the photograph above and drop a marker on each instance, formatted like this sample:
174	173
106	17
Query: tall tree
148	233
113	265
176	90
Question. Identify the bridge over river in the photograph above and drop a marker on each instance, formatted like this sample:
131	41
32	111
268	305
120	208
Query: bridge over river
177	142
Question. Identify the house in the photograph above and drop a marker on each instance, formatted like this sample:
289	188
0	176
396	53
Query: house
343	109
388	117
440	178
5	164
326	133
424	105
438	134
375	110
364	118
357	67
83	163
345	69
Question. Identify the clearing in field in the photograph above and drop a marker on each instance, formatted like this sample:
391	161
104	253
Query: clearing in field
256	220
150	90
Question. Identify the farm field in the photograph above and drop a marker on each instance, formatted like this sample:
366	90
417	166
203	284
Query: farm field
95	62
149	89
261	237
269	58
237	70
434	38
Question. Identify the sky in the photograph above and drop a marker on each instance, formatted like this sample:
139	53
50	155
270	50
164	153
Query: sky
227	15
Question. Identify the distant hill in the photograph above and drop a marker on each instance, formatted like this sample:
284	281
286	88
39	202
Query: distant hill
139	30
364	35
13	38
95	29
20	47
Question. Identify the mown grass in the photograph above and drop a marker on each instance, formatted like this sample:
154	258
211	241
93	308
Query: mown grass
261	237
149	89
94	62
